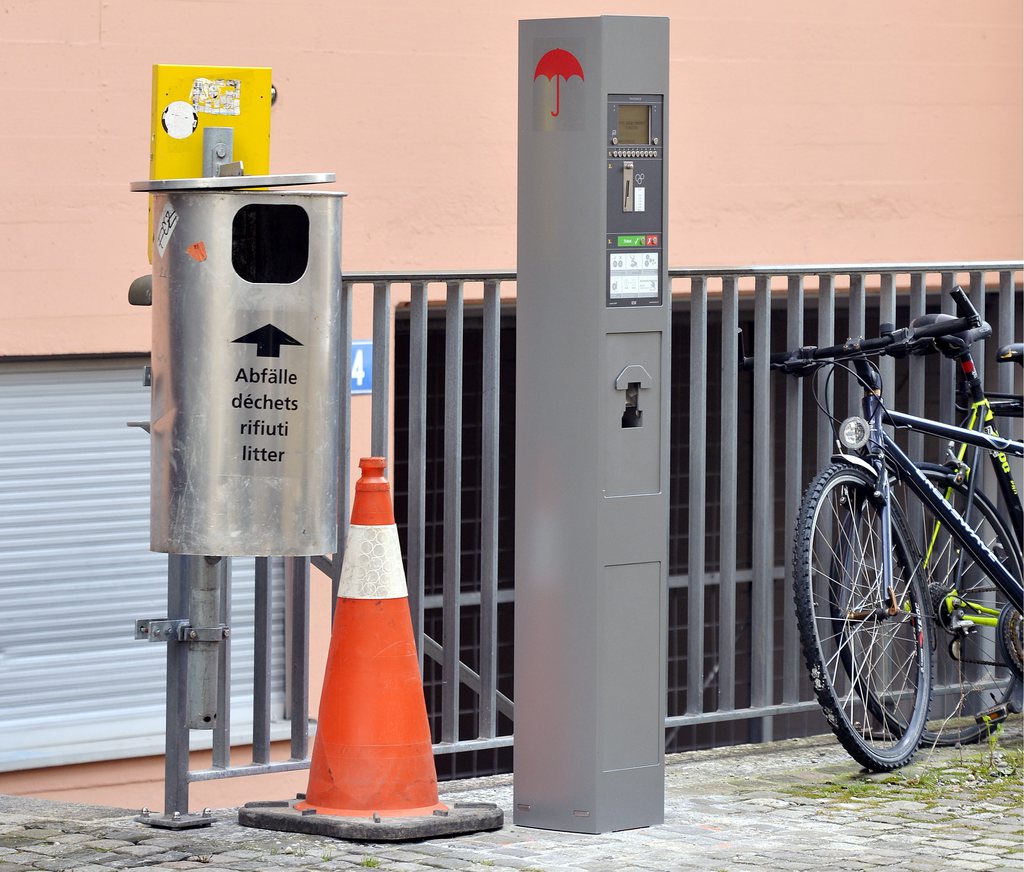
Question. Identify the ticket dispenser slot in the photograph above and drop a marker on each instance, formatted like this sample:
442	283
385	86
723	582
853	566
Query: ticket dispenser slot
632	380
633	416
632	454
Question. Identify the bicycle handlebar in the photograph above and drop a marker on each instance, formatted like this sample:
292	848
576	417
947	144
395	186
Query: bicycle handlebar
957	333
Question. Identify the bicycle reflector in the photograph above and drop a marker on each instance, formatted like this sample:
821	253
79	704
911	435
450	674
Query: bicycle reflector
853	433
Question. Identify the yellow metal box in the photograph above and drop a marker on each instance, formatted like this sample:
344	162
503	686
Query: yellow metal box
188	99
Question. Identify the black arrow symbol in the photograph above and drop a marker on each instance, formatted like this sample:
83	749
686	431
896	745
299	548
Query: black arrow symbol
268	340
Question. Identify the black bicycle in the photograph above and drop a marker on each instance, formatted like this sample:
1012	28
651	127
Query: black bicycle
886	553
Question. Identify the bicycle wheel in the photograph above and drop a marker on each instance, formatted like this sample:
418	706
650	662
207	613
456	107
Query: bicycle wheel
977	679
865	638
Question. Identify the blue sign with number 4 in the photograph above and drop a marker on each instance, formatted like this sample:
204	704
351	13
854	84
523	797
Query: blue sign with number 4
361	369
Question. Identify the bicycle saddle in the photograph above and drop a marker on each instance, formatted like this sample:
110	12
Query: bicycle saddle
1012	353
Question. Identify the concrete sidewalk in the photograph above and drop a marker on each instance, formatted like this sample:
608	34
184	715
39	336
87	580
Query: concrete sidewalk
793	805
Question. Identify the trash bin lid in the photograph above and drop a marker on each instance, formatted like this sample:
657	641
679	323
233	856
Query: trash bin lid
231	182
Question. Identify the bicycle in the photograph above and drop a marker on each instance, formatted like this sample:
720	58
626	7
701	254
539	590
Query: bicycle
864	610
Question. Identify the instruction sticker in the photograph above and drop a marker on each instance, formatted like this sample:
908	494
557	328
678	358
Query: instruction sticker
217	96
633	274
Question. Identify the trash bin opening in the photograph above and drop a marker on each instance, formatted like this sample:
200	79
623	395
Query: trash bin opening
270	243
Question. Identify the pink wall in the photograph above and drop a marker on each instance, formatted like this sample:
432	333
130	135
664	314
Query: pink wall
803	132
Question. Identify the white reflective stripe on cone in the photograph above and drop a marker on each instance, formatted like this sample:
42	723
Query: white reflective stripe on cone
372	568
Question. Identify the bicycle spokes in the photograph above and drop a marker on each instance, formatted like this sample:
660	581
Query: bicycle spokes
861	620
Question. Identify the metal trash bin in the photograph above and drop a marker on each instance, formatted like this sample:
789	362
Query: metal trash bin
246	371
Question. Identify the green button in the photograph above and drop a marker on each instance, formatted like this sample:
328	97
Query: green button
632	241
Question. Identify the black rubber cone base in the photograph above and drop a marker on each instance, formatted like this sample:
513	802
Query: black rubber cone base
462	817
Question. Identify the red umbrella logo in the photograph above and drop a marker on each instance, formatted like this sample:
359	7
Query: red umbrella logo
558	64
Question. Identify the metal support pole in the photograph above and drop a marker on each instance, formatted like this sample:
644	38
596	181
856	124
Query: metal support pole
762	592
206	576
296	574
696	562
222	730
451	619
176	748
262	662
176	752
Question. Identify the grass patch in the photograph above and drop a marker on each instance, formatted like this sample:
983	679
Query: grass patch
989	775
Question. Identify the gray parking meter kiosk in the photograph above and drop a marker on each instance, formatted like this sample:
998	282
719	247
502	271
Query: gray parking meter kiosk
592	424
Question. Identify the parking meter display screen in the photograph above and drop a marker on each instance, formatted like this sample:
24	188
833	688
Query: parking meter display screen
634	125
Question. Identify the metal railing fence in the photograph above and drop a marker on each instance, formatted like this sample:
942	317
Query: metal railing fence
746	454
789	440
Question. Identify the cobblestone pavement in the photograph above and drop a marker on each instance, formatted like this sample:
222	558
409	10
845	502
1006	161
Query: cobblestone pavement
792	805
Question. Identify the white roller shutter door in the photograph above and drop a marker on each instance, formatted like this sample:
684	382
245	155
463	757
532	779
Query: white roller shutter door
76	571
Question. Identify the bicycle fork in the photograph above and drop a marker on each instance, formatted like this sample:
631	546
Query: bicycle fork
888	606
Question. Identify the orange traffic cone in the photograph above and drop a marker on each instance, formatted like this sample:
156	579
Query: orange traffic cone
372	774
372	752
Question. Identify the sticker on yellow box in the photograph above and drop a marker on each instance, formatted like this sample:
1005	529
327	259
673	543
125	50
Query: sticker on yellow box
179	119
217	96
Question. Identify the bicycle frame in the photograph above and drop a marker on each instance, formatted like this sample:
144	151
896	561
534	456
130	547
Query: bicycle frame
979	419
985	439
883	448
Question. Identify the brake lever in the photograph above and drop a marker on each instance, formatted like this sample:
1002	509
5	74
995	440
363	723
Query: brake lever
901	342
922	347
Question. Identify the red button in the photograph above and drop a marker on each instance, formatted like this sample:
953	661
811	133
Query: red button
652	239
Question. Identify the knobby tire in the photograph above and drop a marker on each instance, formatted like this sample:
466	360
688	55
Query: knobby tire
867	647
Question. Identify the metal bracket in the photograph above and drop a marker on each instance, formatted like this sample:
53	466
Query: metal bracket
163	630
177	821
231	170
159	630
204	634
218	149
